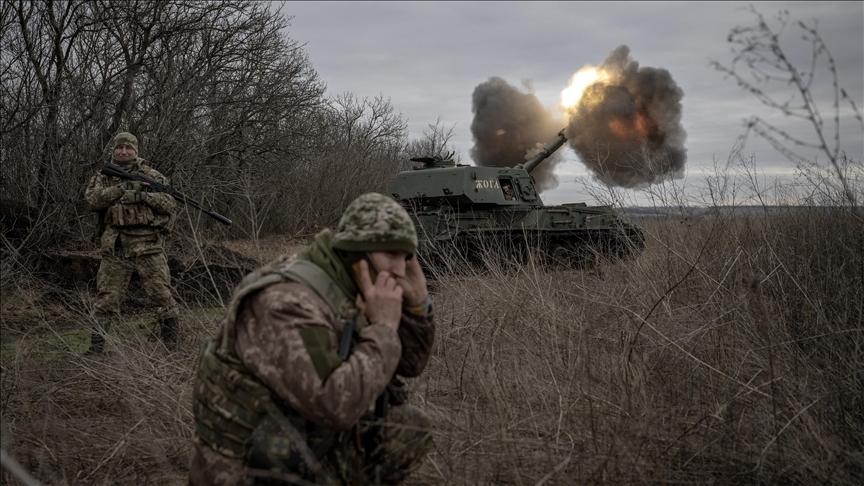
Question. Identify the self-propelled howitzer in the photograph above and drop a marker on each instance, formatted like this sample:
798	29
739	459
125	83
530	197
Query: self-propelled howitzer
470	208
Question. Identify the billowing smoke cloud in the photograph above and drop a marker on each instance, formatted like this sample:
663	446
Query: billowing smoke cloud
508	127
626	127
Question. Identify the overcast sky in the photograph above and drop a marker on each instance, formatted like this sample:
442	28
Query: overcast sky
428	57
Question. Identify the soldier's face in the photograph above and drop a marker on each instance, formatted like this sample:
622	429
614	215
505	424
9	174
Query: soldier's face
124	153
390	261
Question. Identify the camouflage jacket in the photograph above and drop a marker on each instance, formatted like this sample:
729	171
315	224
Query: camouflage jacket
272	342
153	219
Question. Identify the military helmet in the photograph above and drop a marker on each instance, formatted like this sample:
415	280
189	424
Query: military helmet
374	222
126	138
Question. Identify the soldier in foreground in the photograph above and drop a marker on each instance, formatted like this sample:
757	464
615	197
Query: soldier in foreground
300	384
133	226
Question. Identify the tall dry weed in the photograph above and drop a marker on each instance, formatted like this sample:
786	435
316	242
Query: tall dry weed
124	418
728	351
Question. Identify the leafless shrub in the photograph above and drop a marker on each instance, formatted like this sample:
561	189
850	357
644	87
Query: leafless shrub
763	59
729	351
436	140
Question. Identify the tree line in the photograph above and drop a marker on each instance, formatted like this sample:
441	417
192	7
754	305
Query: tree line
221	100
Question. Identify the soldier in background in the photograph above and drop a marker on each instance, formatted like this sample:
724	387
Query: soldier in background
300	384
508	192
133	224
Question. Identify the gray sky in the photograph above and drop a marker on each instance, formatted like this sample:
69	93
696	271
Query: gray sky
428	57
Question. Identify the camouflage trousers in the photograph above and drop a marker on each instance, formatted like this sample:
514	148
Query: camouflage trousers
113	277
392	448
401	440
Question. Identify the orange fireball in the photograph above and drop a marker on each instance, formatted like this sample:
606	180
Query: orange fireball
628	129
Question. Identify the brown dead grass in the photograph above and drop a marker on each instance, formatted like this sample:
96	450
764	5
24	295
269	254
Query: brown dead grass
695	363
267	248
730	351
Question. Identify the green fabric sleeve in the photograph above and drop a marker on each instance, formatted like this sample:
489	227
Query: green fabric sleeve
317	342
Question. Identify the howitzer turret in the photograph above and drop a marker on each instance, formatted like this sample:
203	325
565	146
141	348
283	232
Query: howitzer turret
467	207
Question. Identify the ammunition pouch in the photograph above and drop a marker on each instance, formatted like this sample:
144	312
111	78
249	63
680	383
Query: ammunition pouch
228	402
134	197
123	215
235	416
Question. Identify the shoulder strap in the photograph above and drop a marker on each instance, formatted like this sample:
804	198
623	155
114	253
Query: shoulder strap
314	277
257	280
300	271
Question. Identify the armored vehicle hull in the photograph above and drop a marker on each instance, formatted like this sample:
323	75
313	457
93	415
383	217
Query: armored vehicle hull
470	209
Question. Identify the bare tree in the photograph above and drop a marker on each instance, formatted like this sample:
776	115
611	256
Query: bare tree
363	152
436	140
212	90
222	101
760	60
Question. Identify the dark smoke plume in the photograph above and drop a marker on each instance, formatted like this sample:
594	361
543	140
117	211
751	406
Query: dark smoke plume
507	128
627	127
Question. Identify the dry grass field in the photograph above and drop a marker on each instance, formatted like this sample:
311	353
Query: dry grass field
731	351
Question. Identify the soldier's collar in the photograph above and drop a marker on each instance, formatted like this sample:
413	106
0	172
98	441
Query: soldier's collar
131	166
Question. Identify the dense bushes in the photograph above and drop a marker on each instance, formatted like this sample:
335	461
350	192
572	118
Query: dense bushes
222	101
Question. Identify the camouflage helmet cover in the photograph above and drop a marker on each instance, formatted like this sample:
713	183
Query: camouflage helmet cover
126	138
374	222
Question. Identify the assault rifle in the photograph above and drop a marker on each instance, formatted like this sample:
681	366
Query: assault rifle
113	170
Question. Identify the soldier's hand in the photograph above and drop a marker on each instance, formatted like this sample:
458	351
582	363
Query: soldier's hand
115	192
381	301
134	192
414	290
133	197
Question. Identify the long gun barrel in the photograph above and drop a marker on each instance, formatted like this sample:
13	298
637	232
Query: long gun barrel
113	170
546	152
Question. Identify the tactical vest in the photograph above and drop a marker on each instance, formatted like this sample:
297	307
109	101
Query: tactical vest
125	215
233	409
128	215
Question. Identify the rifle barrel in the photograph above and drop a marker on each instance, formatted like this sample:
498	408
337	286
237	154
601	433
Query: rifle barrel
113	170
